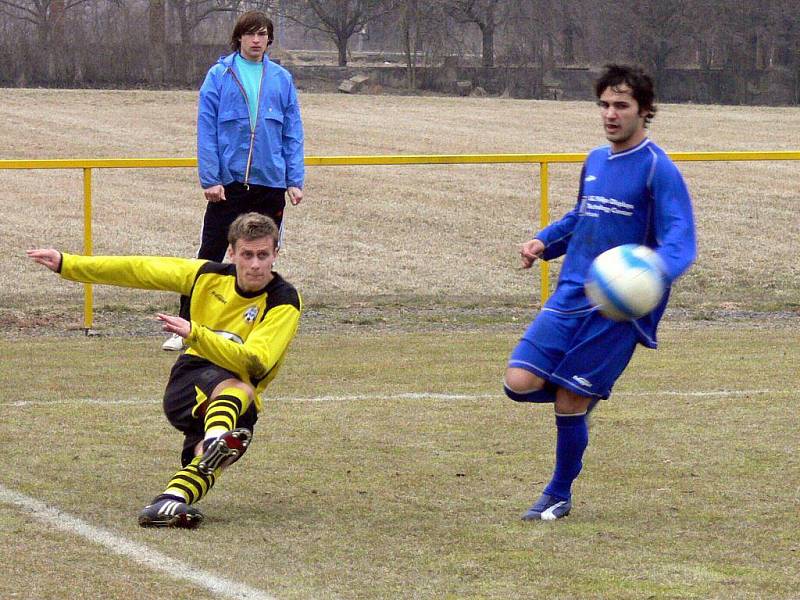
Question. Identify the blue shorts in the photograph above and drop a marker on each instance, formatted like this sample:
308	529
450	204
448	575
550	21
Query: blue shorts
583	353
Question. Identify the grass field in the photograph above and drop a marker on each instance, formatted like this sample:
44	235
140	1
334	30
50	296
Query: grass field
388	464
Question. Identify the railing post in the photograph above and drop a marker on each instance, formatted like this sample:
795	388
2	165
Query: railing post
87	247
544	221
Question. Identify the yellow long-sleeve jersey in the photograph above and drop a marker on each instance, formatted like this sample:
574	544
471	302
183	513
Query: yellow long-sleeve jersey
247	333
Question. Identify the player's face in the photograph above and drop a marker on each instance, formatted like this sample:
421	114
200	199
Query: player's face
254	45
253	260
623	122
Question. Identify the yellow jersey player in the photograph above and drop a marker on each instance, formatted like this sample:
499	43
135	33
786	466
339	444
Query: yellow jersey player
242	318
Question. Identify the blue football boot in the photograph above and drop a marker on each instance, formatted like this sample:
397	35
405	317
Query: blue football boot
548	508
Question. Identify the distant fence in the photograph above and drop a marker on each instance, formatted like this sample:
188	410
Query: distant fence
543	160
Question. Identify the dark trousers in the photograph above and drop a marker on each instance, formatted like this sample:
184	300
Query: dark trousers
239	199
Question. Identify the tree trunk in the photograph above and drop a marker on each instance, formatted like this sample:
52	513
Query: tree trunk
410	38
184	50
487	31
409	63
569	44
45	69
157	22
796	69
341	46
488	45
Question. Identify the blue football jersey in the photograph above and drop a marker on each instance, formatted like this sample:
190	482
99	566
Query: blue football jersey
637	196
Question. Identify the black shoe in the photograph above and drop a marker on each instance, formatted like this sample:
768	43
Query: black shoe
225	450
170	513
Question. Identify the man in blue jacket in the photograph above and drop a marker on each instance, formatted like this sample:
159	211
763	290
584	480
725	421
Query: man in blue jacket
630	193
249	140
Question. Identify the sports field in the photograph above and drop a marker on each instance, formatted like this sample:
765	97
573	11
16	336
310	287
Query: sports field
387	464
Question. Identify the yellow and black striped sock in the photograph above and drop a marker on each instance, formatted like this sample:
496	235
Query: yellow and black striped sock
223	411
191	484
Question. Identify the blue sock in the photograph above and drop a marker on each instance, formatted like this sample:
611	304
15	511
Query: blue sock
572	439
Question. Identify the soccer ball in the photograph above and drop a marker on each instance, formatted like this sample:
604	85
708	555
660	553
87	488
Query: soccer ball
626	282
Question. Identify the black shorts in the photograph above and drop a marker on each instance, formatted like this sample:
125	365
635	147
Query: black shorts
182	400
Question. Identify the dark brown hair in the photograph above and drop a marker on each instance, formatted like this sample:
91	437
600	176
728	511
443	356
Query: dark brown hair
251	22
641	85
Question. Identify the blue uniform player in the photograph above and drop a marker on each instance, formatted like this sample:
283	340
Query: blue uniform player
630	193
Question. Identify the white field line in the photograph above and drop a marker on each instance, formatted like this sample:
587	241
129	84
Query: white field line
139	553
217	585
404	396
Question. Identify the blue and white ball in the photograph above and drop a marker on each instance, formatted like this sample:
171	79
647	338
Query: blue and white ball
626	282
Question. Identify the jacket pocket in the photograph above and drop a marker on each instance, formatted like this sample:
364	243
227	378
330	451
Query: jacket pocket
232	120
234	114
234	129
273	127
273	116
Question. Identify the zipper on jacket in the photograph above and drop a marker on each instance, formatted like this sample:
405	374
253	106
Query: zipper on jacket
253	123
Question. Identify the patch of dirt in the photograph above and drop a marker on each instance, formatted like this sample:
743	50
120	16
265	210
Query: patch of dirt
363	318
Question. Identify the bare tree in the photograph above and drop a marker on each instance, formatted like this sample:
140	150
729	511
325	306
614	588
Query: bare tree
423	28
410	26
759	38
157	20
531	30
338	19
47	17
571	31
787	26
666	26
486	14
190	13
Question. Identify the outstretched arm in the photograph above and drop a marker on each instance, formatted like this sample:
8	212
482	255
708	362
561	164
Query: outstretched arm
48	257
167	274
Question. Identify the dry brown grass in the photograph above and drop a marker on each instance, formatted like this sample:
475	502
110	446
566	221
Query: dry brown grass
444	234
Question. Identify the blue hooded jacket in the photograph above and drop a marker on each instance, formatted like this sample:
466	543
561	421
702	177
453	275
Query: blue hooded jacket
271	154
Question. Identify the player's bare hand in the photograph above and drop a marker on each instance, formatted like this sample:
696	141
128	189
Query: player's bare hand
530	251
173	324
295	195
216	193
48	257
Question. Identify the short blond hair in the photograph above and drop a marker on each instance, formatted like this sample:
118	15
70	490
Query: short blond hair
253	226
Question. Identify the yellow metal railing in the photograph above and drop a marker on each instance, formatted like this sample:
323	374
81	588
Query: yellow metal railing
543	160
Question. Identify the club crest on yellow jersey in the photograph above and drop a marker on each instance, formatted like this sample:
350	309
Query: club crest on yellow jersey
250	314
